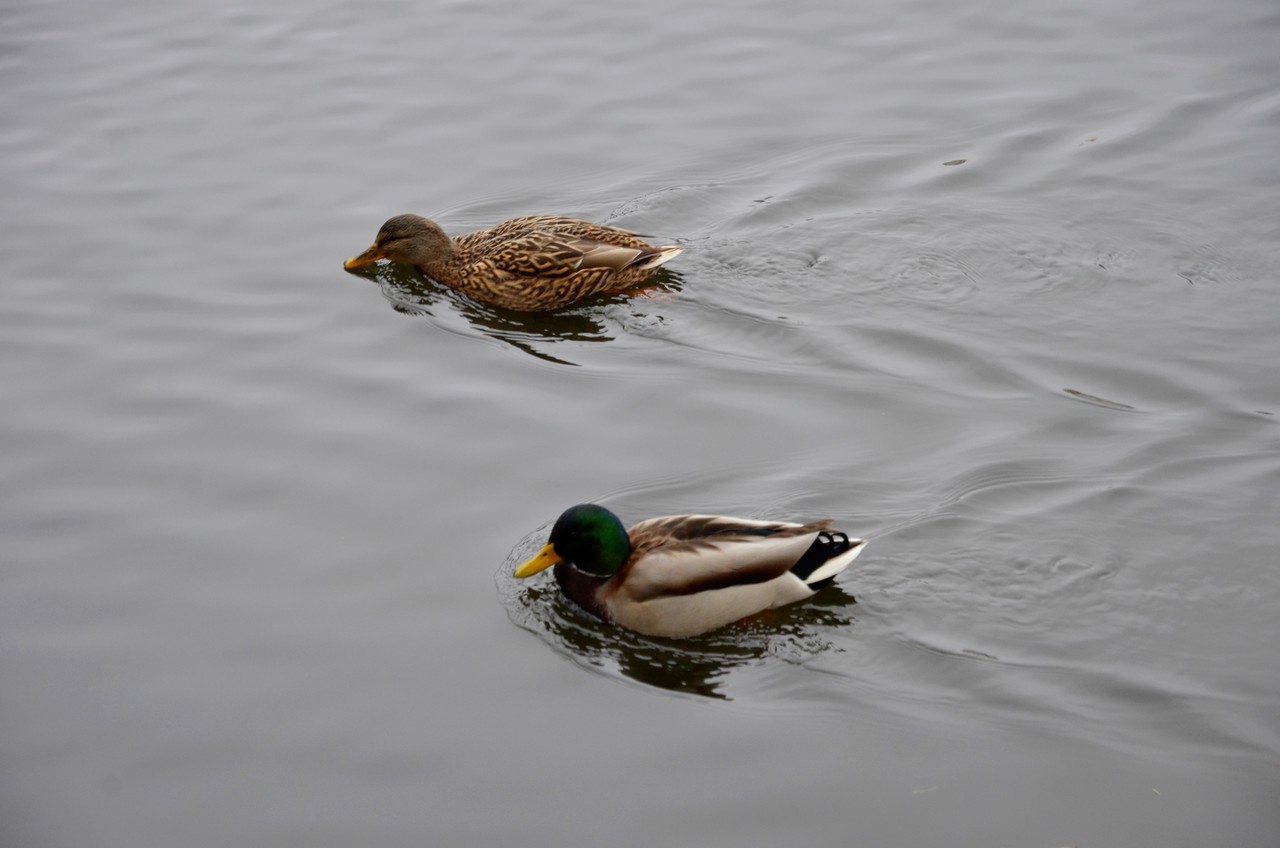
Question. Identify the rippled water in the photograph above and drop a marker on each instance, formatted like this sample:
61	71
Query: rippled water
992	287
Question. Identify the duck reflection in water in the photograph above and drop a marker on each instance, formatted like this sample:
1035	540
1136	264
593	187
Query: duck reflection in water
410	293
698	666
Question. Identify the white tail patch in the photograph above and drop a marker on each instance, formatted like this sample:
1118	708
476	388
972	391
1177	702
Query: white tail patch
837	563
664	255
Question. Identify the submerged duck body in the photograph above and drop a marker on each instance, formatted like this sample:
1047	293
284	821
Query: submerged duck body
527	264
682	575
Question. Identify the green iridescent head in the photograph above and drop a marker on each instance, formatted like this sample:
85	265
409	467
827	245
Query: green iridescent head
587	535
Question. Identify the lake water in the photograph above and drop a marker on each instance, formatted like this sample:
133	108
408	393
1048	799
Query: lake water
991	285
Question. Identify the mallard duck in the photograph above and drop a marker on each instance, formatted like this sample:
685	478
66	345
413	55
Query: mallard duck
527	264
682	575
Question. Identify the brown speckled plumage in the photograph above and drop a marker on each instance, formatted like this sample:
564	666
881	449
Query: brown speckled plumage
526	264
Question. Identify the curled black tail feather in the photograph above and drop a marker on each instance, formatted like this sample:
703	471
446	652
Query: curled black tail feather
829	543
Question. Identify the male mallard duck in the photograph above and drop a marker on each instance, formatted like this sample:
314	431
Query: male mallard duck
682	575
527	264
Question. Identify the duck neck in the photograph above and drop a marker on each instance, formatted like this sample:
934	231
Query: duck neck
581	588
435	256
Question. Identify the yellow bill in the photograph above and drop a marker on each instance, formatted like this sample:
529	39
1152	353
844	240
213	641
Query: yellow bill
546	558
370	255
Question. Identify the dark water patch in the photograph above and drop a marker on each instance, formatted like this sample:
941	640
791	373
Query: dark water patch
1098	401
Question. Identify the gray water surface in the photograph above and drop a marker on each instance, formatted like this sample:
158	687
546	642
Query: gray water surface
991	286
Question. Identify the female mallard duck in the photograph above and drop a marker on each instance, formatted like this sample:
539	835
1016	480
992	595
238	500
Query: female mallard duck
686	574
526	264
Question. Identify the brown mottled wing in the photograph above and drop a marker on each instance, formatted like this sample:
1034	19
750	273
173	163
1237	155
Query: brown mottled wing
560	225
550	225
554	255
534	255
546	262
683	555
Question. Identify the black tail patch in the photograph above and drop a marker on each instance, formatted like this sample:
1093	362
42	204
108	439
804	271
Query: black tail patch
830	543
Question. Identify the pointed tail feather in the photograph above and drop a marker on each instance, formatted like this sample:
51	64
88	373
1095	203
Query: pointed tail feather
830	553
660	256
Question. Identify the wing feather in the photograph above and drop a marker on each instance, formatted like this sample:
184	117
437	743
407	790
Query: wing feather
684	555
